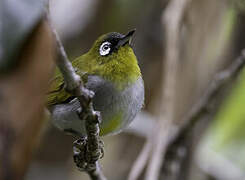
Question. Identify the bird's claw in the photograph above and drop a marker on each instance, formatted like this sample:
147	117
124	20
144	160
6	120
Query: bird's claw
88	94
85	159
97	116
81	114
79	111
79	153
101	147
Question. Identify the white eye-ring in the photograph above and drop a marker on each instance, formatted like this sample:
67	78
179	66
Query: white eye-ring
105	48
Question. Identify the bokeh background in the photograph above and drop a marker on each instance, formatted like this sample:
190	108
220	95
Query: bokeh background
211	37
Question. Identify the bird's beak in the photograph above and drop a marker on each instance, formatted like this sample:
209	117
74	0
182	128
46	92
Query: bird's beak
126	39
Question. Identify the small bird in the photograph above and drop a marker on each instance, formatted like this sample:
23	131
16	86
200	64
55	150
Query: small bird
110	69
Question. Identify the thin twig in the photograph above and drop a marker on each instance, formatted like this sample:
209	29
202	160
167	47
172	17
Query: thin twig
92	143
97	173
141	161
143	125
202	106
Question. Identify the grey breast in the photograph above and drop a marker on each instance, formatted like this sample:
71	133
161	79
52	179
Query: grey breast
108	100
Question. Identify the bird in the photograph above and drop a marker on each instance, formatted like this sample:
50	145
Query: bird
110	69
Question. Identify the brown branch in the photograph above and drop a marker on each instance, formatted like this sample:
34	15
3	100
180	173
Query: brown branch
87	151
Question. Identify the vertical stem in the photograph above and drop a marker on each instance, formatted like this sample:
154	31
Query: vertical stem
74	85
172	21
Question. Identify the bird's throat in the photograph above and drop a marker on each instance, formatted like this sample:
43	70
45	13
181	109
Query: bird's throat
120	68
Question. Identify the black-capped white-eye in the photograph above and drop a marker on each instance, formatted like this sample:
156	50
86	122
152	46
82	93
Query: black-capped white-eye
105	48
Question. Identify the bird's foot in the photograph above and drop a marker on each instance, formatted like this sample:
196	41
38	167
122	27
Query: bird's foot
79	153
81	113
97	117
85	157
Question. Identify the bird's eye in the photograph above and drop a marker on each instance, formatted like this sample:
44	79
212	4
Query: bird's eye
105	48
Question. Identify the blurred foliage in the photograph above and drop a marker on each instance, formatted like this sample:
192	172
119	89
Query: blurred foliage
227	135
18	18
240	5
221	152
226	33
230	121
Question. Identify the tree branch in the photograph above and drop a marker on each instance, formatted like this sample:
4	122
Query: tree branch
202	106
87	151
141	161
143	125
179	139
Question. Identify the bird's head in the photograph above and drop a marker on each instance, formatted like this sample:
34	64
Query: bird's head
112	57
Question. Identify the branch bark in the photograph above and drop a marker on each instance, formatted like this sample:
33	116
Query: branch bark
92	144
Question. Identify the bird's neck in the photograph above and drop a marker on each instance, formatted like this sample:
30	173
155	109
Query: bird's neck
120	68
122	77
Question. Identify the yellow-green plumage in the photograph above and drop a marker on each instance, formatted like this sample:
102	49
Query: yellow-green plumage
57	93
120	68
111	70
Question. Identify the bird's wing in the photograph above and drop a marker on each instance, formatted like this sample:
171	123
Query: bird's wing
57	93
